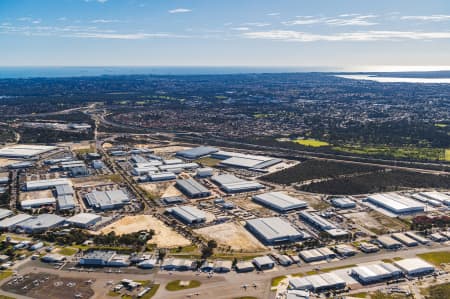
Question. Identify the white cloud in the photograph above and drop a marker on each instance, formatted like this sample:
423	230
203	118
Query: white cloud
62	19
240	28
431	18
298	36
180	10
341	20
273	14
104	21
99	1
256	24
126	36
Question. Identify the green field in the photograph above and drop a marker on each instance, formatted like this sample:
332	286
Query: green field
440	291
436	258
175	285
5	274
417	153
276	280
311	142
447	155
67	251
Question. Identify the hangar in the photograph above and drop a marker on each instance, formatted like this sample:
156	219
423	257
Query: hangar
415	267
373	273
279	201
318	283
317	254
388	242
274	230
410	242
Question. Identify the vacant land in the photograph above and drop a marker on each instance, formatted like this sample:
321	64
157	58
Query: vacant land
164	236
317	169
158	190
436	258
232	234
49	286
378	182
440	291
376	222
414	153
311	142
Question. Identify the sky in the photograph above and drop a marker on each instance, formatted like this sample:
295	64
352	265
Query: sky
309	33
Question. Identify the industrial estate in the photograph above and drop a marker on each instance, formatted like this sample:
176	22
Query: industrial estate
141	217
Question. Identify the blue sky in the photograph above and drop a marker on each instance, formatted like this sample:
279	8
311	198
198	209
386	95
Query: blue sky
347	33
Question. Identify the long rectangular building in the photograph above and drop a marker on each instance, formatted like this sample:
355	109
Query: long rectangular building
396	203
197	152
11	222
46	184
188	214
279	201
374	273
41	223
192	188
274	230
106	200
25	151
232	184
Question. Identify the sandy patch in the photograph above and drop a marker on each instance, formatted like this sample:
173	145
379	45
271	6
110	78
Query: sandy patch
7	162
35	194
169	149
107	145
164	189
232	234
164	236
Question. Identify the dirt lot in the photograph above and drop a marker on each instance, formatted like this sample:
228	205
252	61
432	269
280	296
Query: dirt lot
7	162
35	194
232	234
164	236
165	189
48	286
376	222
169	149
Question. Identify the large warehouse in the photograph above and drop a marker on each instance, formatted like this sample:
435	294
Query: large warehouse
188	214
106	200
25	151
274	230
280	201
41	223
46	184
239	160
232	184
192	188
197	152
415	267
11	222
437	196
373	273
323	224
388	242
84	220
396	203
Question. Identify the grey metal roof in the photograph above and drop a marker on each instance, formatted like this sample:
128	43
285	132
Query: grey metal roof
197	152
317	220
280	201
5	213
274	228
107	199
65	189
230	183
189	213
84	218
14	220
65	202
192	187
42	221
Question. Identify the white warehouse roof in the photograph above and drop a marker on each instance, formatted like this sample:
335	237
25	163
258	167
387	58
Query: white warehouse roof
232	184
280	201
396	203
24	150
414	266
84	219
46	184
188	214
